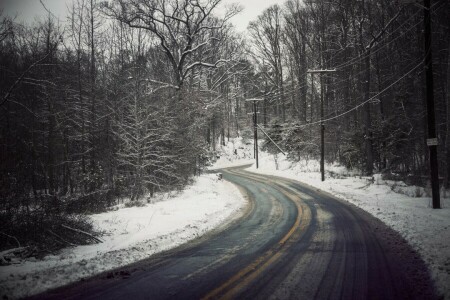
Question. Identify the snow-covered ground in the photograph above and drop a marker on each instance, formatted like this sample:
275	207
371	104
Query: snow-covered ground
236	152
406	209
138	232
132	234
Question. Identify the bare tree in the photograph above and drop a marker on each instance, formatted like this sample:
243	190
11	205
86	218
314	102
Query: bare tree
6	26
297	38
183	28
267	35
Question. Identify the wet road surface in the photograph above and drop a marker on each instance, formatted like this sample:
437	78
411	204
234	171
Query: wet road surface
293	242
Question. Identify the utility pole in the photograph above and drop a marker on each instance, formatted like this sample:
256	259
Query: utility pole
255	128
322	125
432	140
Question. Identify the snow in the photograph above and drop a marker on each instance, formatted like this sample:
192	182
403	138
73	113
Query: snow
136	233
131	234
406	209
235	153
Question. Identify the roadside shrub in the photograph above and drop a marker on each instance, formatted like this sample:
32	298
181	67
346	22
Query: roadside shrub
95	202
135	204
44	231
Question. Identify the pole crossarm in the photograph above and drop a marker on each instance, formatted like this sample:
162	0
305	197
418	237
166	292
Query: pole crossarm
254	99
321	71
271	139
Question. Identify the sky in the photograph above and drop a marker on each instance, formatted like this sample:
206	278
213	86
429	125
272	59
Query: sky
27	10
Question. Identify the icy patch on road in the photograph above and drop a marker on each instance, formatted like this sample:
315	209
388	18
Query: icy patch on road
131	234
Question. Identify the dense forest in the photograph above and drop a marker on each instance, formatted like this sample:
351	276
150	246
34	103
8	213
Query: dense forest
130	97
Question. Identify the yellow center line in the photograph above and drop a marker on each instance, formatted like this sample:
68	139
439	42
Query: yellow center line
258	266
270	260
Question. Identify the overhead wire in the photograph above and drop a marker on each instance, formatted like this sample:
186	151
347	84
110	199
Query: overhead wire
337	87
359	58
346	64
353	61
360	104
294	89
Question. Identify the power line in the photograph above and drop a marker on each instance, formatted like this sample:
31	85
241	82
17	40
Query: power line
359	105
333	90
353	61
363	56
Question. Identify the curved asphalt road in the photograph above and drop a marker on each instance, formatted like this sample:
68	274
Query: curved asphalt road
294	242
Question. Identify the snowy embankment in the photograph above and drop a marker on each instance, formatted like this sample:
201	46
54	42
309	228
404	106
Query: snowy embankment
131	234
406	209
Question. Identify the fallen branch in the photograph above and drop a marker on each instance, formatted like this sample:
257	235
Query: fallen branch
12	237
60	238
83	232
13	250
10	253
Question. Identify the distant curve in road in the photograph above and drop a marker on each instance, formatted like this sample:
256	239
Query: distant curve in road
294	242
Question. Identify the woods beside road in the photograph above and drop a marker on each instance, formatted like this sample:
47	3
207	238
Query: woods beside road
125	100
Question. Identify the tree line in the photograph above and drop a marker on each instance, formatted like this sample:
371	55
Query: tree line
115	102
130	97
374	102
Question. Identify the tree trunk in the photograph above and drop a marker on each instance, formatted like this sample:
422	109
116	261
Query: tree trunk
92	78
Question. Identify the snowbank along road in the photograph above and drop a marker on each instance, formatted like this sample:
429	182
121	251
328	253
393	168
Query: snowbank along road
294	242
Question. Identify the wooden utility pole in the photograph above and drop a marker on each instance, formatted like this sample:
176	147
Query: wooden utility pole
255	128
322	125
432	140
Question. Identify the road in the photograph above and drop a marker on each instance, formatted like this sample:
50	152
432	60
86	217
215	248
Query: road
293	242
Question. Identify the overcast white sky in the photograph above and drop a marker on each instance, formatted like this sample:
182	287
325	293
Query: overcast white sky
28	9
